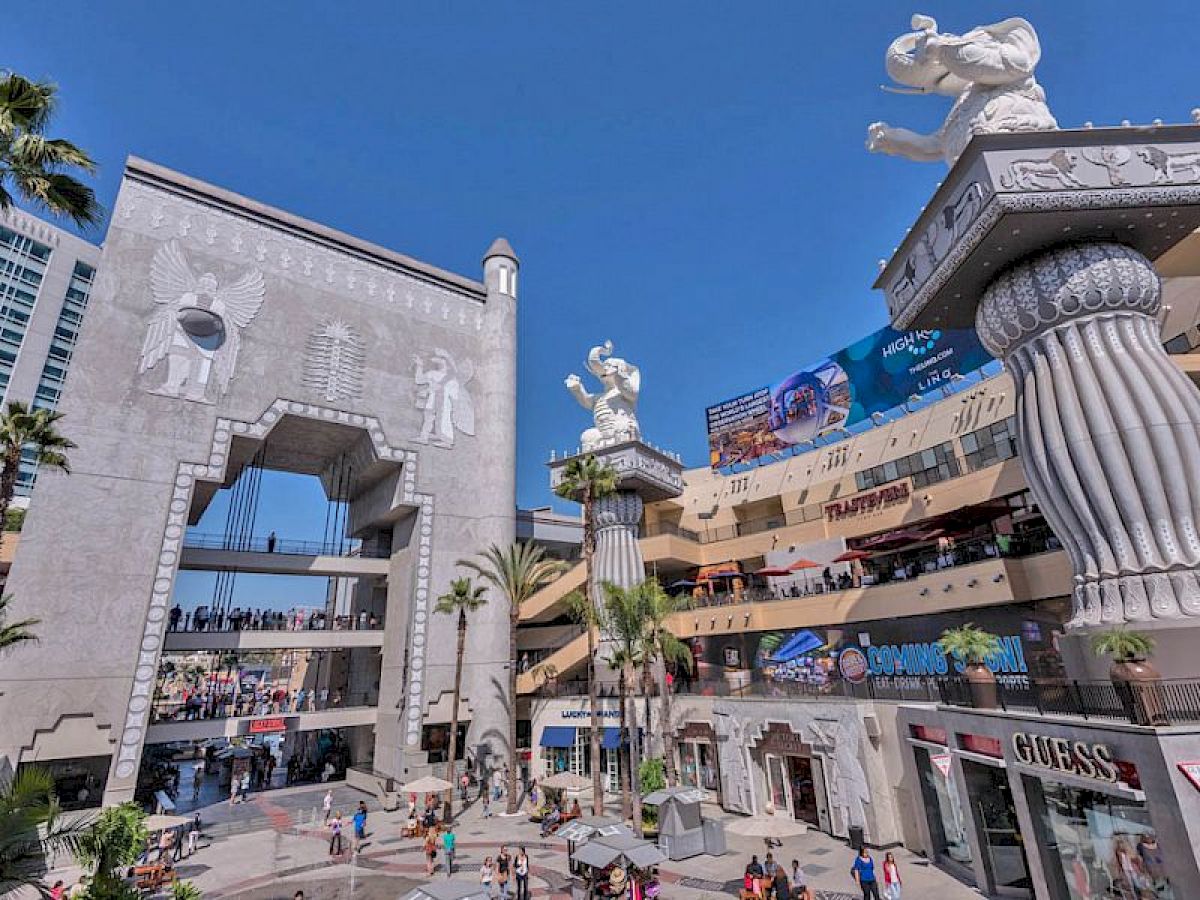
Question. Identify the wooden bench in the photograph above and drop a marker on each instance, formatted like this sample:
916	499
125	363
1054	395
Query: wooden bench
152	878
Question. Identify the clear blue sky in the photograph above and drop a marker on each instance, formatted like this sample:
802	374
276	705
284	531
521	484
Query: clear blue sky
688	179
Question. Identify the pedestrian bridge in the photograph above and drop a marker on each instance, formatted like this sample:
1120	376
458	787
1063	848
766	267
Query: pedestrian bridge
241	726
302	639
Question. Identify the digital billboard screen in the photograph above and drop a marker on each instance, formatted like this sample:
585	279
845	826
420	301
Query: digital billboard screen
874	374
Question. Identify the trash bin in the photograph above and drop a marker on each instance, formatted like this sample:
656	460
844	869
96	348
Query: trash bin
857	839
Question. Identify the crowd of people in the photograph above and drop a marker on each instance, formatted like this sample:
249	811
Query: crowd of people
770	880
221	700
204	619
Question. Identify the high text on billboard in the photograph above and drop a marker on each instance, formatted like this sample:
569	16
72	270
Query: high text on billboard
874	374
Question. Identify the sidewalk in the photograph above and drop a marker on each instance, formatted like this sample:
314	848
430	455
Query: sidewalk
276	844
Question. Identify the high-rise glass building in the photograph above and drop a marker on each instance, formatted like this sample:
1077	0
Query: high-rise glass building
46	275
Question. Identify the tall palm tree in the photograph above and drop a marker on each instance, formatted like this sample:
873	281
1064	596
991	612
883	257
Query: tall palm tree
464	597
13	633
587	614
517	571
31	829
34	166
21	427
587	480
664	647
625	616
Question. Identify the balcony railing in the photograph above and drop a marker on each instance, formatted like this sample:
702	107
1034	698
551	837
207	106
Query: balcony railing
905	567
913	690
250	544
1157	703
203	708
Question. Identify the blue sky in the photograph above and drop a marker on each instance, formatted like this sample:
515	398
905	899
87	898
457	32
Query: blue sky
688	179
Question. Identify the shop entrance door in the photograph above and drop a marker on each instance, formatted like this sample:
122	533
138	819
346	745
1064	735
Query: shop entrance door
995	818
804	790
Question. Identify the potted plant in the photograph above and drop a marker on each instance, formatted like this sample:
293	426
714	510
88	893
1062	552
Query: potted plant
1135	680
973	646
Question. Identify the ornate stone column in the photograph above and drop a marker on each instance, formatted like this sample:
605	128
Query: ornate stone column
1108	427
618	555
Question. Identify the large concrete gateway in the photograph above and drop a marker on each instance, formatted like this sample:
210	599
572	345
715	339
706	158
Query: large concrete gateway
226	334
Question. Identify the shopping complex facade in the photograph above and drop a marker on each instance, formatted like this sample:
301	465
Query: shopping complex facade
853	512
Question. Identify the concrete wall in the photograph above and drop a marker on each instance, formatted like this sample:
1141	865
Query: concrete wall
142	454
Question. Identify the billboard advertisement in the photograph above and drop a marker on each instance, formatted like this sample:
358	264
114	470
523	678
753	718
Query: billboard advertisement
874	374
886	652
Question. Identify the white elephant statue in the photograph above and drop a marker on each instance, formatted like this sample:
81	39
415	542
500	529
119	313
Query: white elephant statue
614	408
989	70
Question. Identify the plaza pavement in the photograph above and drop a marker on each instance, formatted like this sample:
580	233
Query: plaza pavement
275	844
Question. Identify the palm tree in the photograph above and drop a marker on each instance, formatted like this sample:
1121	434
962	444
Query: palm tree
662	646
31	829
625	616
21	427
517	571
464	597
587	480
586	613
32	164
13	633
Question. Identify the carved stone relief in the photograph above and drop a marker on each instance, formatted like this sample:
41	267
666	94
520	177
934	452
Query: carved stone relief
333	361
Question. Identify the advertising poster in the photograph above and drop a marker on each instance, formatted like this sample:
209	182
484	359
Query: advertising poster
885	652
874	374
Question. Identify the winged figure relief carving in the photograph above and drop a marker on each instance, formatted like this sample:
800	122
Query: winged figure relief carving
196	328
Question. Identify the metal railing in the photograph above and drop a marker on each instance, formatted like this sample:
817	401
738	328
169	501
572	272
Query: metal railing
283	547
913	565
203	708
910	689
1157	703
222	622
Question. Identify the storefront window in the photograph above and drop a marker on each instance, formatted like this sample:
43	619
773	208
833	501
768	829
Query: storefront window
707	759
687	764
947	824
1099	845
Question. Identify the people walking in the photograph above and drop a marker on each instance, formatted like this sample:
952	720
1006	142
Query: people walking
800	890
327	805
449	838
360	826
863	872
487	874
335	835
521	872
193	835
431	842
503	871
463	783
891	878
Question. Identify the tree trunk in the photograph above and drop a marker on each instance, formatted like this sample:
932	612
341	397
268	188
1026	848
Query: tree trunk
623	749
667	728
589	552
510	807
635	776
458	661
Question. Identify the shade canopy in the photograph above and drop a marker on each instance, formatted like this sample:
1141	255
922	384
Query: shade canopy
678	794
851	556
773	571
429	784
802	563
767	827
566	781
601	852
714	576
579	830
683	583
558	736
449	889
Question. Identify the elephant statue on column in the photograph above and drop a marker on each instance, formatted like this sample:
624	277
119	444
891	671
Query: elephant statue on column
614	408
989	72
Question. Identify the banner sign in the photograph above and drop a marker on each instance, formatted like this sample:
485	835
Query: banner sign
268	726
875	374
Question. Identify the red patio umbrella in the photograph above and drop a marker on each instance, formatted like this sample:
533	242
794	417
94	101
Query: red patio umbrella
773	571
803	564
851	556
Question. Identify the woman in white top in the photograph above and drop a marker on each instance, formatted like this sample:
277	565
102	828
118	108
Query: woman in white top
487	874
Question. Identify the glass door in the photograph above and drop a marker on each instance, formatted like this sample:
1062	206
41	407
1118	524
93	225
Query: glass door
687	764
996	821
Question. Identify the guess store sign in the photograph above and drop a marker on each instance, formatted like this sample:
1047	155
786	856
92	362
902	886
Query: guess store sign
1079	758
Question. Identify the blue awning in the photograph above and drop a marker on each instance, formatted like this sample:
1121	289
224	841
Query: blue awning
559	736
611	739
